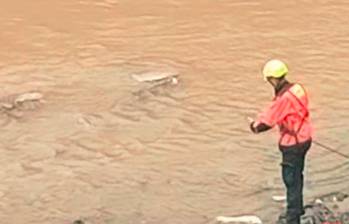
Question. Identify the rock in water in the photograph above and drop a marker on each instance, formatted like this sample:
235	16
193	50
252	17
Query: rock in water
14	105
78	222
7	106
34	96
156	77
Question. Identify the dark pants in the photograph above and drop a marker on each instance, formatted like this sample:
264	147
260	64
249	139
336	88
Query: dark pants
292	174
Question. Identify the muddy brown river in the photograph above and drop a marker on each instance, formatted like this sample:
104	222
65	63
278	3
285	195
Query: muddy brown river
107	149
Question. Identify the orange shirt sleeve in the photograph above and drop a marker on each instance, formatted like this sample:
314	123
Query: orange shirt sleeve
275	112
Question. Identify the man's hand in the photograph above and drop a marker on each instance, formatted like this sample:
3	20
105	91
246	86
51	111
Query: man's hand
257	127
250	119
252	124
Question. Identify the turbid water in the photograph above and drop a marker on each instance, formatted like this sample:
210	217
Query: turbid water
105	148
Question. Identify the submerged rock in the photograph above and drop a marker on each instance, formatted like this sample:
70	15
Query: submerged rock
14	105
6	105
34	96
157	77
17	100
78	222
154	83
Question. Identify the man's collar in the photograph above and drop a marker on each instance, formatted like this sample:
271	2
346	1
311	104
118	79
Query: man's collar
281	86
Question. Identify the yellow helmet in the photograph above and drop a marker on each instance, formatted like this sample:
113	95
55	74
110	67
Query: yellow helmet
274	68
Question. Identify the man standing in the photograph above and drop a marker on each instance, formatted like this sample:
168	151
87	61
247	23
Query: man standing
289	111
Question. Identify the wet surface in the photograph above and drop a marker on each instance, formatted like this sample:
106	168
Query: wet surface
105	148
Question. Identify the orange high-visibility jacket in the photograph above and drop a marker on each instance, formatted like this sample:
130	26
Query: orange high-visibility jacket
289	110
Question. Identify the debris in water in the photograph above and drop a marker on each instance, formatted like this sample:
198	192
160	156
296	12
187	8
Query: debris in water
250	219
279	198
157	77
